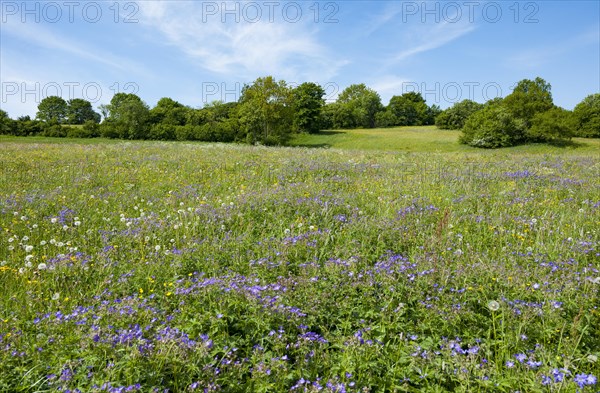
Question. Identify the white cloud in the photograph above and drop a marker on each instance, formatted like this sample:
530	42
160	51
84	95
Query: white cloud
48	39
389	14
244	50
427	37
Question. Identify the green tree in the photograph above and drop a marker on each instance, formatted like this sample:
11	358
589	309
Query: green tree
128	117
266	112
53	128
7	125
169	111
420	107
454	118
308	106
166	117
327	116
52	108
361	104
410	109
432	113
341	115
104	111
219	122
25	126
493	127
555	125
529	98
79	111
404	111
385	119
587	116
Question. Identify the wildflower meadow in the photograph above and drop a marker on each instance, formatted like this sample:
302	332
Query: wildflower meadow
182	267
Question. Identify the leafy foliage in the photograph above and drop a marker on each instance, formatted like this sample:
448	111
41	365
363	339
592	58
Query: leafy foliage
25	126
128	117
308	105
270	112
358	106
525	115
7	125
493	127
52	108
80	111
587	116
266	113
554	125
454	118
528	99
169	111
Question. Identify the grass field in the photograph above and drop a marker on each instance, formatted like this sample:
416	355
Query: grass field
153	267
419	139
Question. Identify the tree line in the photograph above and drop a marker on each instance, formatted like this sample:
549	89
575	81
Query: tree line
270	112
527	115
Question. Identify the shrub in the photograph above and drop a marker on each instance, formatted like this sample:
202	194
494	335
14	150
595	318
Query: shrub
162	132
587	117
493	127
24	126
78	132
108	130
554	125
185	133
53	129
205	133
92	127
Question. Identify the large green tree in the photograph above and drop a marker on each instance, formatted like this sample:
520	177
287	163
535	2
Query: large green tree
52	108
587	116
128	117
529	98
360	104
403	110
167	118
79	111
308	106
266	112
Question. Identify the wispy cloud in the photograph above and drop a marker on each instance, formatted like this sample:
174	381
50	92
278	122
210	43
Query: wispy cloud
391	12
429	37
246	50
535	57
47	39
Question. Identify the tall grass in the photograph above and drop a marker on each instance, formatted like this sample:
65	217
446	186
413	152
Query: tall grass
198	267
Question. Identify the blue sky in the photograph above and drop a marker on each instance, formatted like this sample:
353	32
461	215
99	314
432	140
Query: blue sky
197	52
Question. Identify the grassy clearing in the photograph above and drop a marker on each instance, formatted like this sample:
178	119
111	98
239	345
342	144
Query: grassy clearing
144	266
420	139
